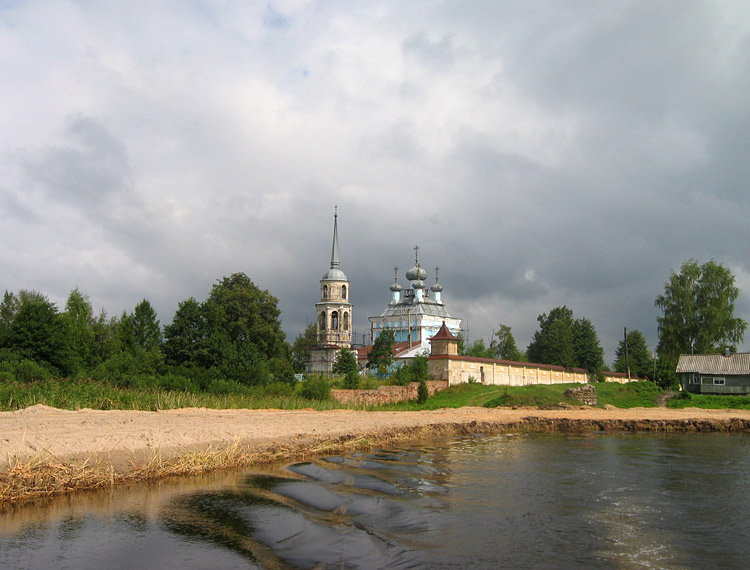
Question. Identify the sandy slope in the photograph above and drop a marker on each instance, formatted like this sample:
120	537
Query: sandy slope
120	437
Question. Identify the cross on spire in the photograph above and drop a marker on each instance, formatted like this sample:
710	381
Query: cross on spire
416	254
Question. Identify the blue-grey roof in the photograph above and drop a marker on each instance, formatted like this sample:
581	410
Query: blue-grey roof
734	364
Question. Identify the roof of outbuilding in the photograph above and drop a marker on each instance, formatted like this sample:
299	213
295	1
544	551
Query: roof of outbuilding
738	363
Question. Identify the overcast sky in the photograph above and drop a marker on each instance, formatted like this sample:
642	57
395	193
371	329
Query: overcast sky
541	153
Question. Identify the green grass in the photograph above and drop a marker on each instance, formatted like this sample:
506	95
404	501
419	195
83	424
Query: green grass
78	394
630	395
634	394
453	397
686	400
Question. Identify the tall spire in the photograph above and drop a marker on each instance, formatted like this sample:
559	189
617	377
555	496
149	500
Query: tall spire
335	249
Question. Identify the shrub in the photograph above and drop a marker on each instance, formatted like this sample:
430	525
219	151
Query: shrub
316	388
278	389
422	392
29	371
351	380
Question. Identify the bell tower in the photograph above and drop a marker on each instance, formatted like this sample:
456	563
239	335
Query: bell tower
333	311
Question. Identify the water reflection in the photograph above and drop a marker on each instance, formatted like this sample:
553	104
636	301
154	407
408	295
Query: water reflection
533	501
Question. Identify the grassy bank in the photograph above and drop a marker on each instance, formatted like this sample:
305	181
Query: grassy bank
632	395
686	400
79	394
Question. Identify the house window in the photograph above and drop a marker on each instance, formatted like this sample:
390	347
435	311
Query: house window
719	381
695	379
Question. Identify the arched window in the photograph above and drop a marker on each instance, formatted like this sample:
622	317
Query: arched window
325	291
322	323
343	291
335	320
346	321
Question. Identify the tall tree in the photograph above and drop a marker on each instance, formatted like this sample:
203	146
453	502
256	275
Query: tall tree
345	362
79	318
698	311
638	356
505	345
553	342
185	337
146	327
246	314
480	350
381	353
38	332
302	346
588	352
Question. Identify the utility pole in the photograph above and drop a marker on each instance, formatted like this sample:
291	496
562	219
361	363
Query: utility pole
627	358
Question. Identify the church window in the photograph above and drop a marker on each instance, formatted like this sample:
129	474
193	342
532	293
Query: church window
335	320
343	291
346	321
322	322
325	291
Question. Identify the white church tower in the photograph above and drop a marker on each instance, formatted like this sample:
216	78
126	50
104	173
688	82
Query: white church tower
333	312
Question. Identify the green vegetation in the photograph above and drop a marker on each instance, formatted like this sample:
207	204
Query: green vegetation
633	352
711	402
631	395
79	394
453	397
698	316
565	341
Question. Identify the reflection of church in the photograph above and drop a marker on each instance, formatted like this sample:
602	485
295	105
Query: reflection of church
414	314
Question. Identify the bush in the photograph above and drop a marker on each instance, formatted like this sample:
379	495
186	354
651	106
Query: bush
316	388
29	371
278	389
223	387
422	392
351	380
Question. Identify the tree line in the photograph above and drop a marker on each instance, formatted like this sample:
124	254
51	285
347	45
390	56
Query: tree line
233	335
697	308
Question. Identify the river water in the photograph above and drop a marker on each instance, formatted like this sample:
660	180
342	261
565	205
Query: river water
549	500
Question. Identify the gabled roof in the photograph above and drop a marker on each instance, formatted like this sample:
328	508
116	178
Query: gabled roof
738	363
363	352
444	334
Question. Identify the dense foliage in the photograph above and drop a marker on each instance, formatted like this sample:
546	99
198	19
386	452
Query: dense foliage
505	344
234	337
633	353
565	341
698	311
381	353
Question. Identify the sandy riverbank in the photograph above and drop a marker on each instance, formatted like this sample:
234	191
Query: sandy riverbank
122	437
132	445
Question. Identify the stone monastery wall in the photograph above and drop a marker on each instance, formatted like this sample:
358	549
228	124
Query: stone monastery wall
456	369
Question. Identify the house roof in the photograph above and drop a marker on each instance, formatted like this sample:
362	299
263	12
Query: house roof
738	363
363	352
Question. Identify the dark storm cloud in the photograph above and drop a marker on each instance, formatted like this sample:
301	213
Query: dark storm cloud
542	154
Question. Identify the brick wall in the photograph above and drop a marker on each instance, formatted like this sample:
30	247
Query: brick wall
386	394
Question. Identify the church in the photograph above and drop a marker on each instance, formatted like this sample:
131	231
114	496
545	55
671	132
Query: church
414	314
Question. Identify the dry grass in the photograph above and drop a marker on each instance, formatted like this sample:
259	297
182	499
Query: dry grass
49	476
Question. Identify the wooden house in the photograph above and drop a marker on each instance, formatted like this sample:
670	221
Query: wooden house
715	373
